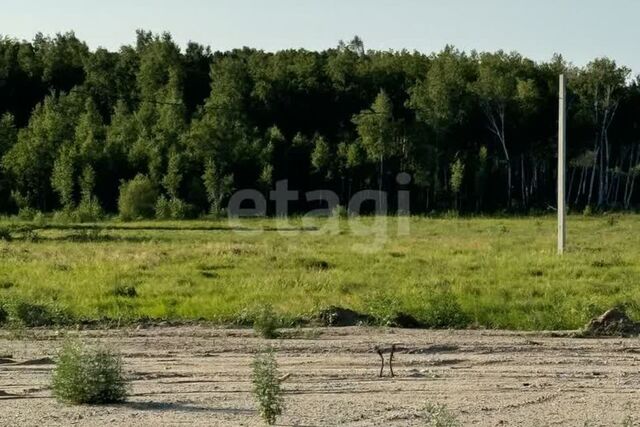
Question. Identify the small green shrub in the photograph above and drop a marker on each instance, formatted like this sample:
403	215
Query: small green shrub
265	322
340	212
163	209
171	208
444	311
137	199
88	210
64	216
88	376
439	416
27	213
40	219
382	306
266	386
36	315
179	209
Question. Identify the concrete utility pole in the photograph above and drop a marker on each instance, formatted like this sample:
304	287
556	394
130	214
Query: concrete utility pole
562	161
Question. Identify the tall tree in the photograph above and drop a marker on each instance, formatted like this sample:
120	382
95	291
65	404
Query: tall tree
600	87
501	89
377	132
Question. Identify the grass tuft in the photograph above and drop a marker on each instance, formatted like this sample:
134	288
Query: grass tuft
439	416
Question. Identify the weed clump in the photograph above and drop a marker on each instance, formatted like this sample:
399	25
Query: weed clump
440	416
444	311
266	386
88	376
265	322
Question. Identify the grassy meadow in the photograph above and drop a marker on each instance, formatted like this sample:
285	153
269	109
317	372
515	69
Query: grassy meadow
475	272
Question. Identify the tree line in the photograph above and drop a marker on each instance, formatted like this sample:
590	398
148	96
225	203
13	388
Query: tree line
187	127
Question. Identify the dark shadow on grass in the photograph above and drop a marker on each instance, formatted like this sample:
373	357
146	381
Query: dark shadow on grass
102	238
184	407
134	227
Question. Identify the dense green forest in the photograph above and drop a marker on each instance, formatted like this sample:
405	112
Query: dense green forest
183	128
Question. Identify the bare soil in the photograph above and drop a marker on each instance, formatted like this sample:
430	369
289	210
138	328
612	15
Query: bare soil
201	376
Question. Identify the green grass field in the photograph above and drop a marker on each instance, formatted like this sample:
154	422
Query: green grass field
493	273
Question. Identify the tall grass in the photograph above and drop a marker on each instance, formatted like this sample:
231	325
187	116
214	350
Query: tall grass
457	272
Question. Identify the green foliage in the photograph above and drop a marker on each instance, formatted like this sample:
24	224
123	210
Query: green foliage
172	179
198	125
441	98
62	178
340	212
265	322
171	208
376	128
218	186
31	315
457	175
266	386
89	210
137	199
85	375
444	311
439	416
321	155
179	209
163	208
8	133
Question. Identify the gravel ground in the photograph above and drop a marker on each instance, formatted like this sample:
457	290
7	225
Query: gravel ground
201	376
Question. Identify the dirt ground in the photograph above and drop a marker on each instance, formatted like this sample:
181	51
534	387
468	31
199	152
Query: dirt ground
201	376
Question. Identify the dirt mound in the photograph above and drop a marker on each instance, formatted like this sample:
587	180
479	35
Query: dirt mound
338	316
613	322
